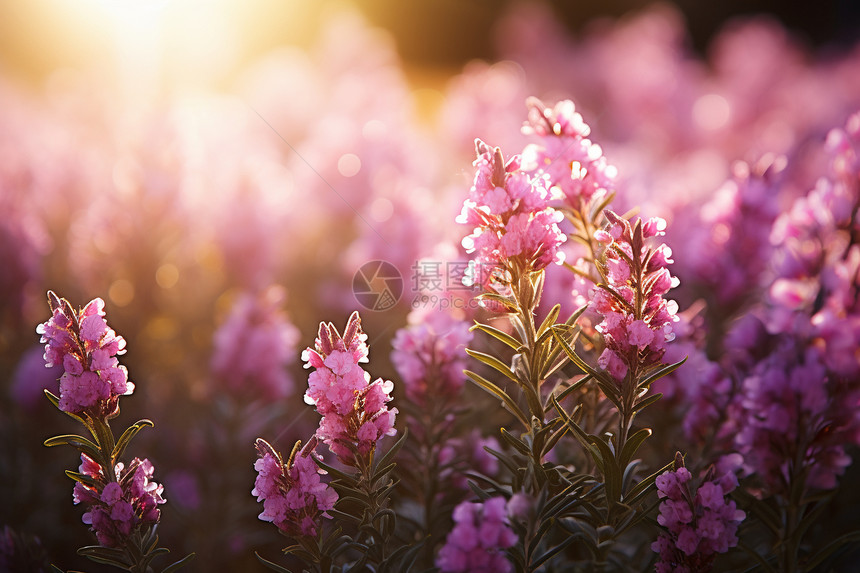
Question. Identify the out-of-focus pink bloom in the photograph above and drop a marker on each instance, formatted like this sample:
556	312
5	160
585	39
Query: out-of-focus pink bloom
254	346
118	507
430	356
354	410
481	534
294	498
564	153
86	347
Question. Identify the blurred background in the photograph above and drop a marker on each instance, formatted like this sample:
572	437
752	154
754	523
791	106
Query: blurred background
218	170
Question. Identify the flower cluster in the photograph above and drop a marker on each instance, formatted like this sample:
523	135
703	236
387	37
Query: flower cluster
292	493
354	410
699	523
788	417
255	344
430	356
564	153
514	227
119	504
481	534
637	320
86	348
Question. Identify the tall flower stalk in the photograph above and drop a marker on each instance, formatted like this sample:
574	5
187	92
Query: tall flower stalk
122	501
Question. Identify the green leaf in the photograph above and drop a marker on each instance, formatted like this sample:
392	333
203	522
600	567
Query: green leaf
388	458
336	473
498	392
550	319
56	402
645	402
830	548
556	331
499	335
641	488
758	558
573	387
127	436
493	362
633	443
172	568
515	442
504	301
611	472
103	434
272	566
537	563
80	443
84	479
646	383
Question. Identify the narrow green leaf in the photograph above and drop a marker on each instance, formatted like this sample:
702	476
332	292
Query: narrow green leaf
515	442
633	443
172	568
611	472
660	373
574	356
56	402
641	488
830	548
80	443
549	320
493	362
504	301
645	402
127	436
499	335
498	392
537	563
388	458
336	473
573	387
758	558
83	478
270	565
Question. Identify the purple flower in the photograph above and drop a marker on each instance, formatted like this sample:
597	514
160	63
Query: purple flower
477	542
86	347
293	496
354	410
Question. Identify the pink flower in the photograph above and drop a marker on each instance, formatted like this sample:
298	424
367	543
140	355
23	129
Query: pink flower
637	321
354	410
698	523
513	225
430	356
293	496
118	508
86	347
254	346
477	542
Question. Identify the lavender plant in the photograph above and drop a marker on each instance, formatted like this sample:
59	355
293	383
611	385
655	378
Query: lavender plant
121	501
355	416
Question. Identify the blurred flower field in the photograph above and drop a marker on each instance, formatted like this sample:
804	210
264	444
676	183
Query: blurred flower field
318	251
